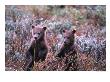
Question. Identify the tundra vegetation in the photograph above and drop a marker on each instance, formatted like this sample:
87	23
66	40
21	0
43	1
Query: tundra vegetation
89	39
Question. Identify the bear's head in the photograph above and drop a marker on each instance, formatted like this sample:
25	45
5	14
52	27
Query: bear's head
69	36
38	32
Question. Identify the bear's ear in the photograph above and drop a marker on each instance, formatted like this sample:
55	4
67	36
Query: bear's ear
63	31
74	31
44	28
33	27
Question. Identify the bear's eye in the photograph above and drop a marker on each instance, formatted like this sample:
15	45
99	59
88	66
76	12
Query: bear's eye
38	33
68	38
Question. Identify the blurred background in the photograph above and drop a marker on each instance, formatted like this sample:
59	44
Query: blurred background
90	38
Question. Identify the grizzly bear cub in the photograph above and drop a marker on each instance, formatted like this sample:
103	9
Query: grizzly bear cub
38	47
68	42
68	51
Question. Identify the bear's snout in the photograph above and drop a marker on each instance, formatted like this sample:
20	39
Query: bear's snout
35	38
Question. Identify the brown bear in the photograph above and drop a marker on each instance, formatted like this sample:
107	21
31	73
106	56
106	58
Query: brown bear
68	42
38	47
68	50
